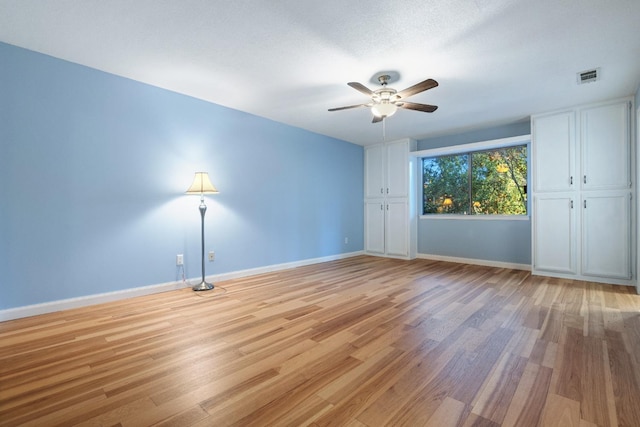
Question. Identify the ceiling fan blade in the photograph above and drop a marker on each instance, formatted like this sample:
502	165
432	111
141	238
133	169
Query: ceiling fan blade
377	119
348	107
417	88
360	87
418	107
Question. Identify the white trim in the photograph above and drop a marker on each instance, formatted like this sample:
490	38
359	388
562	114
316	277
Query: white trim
576	277
474	146
66	304
473	261
439	217
278	267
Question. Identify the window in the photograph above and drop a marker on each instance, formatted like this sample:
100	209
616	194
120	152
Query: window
492	182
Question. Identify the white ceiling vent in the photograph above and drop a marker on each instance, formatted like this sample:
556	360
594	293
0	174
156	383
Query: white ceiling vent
589	76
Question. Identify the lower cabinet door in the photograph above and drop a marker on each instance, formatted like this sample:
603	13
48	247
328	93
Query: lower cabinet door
374	227
606	235
397	228
554	233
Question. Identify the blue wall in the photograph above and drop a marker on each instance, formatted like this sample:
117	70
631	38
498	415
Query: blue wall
503	241
93	169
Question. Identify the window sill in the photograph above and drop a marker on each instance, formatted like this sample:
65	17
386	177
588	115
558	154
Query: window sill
477	217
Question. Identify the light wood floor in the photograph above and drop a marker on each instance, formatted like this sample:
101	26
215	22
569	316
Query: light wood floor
358	342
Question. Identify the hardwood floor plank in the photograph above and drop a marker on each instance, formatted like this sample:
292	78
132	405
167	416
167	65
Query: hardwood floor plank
495	398
415	407
625	385
567	381
448	414
116	415
347	384
362	342
365	394
560	411
215	384
594	405
418	374
528	401
482	363
302	396
477	421
186	417
608	386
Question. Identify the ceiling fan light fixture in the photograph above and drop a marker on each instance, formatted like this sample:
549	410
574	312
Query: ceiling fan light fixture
384	109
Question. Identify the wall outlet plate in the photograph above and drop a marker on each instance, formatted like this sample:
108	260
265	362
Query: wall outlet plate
212	256
179	259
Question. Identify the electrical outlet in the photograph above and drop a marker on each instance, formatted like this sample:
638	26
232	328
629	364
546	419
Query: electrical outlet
212	256
346	240
179	259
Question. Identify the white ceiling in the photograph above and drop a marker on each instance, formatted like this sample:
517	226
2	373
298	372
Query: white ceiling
497	61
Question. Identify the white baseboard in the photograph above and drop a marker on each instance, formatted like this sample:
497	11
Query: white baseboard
473	261
65	304
277	267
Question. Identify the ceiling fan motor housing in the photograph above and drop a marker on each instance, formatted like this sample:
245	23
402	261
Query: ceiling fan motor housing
386	94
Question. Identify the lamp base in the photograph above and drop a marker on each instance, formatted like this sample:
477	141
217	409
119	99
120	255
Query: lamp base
203	286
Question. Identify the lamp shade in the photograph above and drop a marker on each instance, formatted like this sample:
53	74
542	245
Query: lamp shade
384	109
202	185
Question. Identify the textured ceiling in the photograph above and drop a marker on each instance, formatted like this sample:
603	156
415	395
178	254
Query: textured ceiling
497	61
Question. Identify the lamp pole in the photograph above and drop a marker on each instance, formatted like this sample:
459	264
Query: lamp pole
202	185
203	285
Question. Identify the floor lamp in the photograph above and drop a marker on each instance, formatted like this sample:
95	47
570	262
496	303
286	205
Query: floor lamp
202	185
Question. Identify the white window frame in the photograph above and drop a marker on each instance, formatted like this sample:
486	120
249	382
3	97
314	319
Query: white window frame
469	148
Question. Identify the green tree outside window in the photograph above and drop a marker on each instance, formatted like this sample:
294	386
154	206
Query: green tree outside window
480	183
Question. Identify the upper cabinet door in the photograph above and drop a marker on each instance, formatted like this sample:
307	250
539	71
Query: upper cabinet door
553	146
397	169
374	183
605	147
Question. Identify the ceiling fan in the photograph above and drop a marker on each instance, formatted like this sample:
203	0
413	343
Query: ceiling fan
386	100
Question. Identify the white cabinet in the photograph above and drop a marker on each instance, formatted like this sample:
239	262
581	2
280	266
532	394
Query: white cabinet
397	168
374	223
553	152
390	216
554	232
605	147
606	235
386	170
374	172
396	227
582	213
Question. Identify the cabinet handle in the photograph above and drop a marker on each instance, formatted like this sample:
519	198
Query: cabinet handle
585	179
387	190
585	204
381	191
572	204
570	180
387	207
381	207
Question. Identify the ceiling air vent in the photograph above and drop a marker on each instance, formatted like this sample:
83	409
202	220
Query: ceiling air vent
589	76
